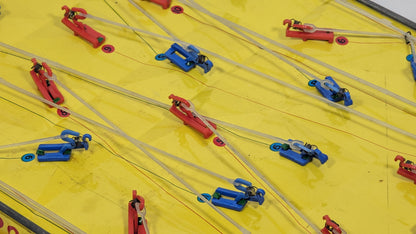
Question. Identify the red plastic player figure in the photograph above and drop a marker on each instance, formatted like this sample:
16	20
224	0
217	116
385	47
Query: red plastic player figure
187	117
80	29
164	3
406	169
46	86
331	227
307	31
137	225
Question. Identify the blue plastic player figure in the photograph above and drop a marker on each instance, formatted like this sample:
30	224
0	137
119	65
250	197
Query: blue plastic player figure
303	154
62	152
331	90
250	193
189	59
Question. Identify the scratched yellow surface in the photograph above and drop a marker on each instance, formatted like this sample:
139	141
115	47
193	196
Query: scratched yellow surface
358	186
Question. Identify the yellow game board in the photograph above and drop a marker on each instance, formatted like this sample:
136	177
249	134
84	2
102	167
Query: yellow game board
358	186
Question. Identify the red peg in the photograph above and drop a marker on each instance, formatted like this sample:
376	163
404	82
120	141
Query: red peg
306	32
187	117
164	3
80	29
331	227
406	168
46	87
135	225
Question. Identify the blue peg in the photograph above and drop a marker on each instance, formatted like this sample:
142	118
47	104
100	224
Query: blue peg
331	90
302	153
62	152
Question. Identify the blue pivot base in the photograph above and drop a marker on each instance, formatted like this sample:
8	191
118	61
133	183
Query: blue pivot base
240	199
303	155
237	203
331	90
62	152
189	59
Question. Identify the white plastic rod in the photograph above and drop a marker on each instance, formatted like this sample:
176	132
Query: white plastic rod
250	131
30	142
413	50
344	31
229	180
368	15
142	214
38	208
